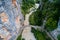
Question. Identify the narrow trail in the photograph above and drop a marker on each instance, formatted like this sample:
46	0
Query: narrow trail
27	34
33	9
26	21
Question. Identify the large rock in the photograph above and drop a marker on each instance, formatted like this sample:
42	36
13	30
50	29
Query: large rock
10	16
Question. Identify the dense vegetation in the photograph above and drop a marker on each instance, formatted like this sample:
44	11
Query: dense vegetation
19	37
51	24
50	11
40	35
58	37
26	5
55	16
36	18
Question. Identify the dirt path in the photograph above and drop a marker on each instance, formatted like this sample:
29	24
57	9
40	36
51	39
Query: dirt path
27	34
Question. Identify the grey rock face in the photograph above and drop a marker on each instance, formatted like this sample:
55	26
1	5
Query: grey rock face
10	14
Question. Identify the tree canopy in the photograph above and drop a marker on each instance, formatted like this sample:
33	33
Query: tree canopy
58	37
26	5
49	11
40	35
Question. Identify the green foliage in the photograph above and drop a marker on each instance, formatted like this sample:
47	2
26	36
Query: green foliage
44	0
58	37
37	1
57	5
23	39
19	37
26	5
48	9
51	24
40	35
36	18
50	12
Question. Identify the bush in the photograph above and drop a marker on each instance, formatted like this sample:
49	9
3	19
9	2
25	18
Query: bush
26	5
36	18
40	35
51	24
19	37
58	37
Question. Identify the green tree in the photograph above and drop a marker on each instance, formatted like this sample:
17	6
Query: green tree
19	37
50	12
36	18
51	24
26	5
58	37
40	35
